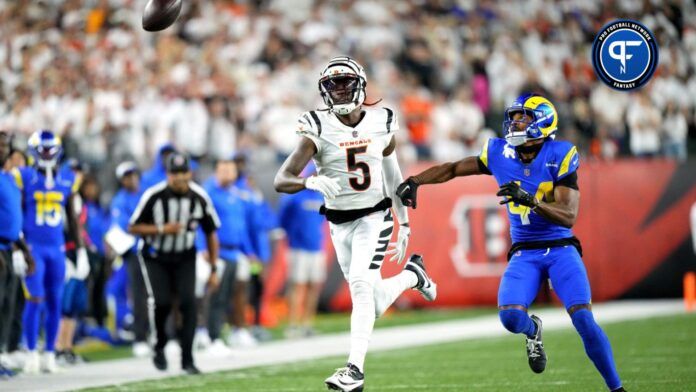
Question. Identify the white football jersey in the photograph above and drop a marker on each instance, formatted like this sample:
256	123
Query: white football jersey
353	156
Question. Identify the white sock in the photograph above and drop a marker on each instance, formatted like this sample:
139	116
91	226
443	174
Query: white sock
362	320
388	290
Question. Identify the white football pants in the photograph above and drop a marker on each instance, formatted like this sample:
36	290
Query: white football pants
360	247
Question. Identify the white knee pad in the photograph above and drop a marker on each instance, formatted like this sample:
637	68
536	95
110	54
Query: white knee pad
361	291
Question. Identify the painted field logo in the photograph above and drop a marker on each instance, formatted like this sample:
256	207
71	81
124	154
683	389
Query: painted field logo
624	54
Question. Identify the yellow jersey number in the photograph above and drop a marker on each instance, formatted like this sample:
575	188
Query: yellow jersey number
544	192
48	208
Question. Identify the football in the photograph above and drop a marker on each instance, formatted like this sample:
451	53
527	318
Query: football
160	14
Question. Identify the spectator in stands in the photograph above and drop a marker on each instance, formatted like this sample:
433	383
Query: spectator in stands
108	85
643	126
674	131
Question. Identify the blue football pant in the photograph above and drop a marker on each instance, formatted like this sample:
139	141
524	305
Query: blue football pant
117	296
74	303
563	265
45	285
529	268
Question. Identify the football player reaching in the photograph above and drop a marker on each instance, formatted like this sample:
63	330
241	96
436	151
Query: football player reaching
353	149
538	182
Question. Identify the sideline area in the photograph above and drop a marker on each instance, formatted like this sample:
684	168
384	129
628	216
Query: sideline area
123	371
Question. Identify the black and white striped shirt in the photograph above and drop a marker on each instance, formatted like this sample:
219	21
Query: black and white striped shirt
159	205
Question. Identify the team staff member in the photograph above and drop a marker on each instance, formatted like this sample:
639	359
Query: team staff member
167	217
123	205
304	226
11	265
235	247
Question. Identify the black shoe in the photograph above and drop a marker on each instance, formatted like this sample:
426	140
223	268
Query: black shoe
425	285
61	357
71	358
619	389
346	379
191	369
535	349
160	360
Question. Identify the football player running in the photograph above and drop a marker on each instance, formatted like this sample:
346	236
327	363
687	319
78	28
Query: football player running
353	149
538	182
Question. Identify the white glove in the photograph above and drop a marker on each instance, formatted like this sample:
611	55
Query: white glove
202	273
82	269
399	247
69	269
325	185
19	265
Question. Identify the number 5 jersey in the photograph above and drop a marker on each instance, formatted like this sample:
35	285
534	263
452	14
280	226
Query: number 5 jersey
352	155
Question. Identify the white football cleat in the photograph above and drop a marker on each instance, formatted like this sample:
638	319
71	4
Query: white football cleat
346	379
426	286
172	349
242	338
218	349
48	363
201	340
32	363
15	360
141	350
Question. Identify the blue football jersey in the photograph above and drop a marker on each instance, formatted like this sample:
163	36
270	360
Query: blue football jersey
555	160
43	207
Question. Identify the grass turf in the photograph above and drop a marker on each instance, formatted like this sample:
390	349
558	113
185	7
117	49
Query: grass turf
656	354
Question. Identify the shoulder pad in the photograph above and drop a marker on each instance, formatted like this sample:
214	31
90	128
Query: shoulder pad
391	123
309	124
567	156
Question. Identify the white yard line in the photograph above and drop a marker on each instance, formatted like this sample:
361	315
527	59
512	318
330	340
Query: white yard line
122	371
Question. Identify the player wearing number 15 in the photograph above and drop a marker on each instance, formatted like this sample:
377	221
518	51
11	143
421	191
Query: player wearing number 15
47	195
538	182
353	149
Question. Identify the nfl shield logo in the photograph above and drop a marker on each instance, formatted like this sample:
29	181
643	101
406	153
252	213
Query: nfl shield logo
355	133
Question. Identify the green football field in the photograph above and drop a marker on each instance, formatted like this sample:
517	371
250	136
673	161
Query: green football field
656	354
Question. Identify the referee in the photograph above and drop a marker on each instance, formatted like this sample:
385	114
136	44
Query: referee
167	218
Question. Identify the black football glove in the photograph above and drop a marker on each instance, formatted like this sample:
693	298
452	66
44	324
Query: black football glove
406	191
516	194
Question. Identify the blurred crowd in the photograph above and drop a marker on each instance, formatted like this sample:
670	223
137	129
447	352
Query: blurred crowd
233	75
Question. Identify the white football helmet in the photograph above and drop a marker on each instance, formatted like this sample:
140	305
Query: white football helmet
342	85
